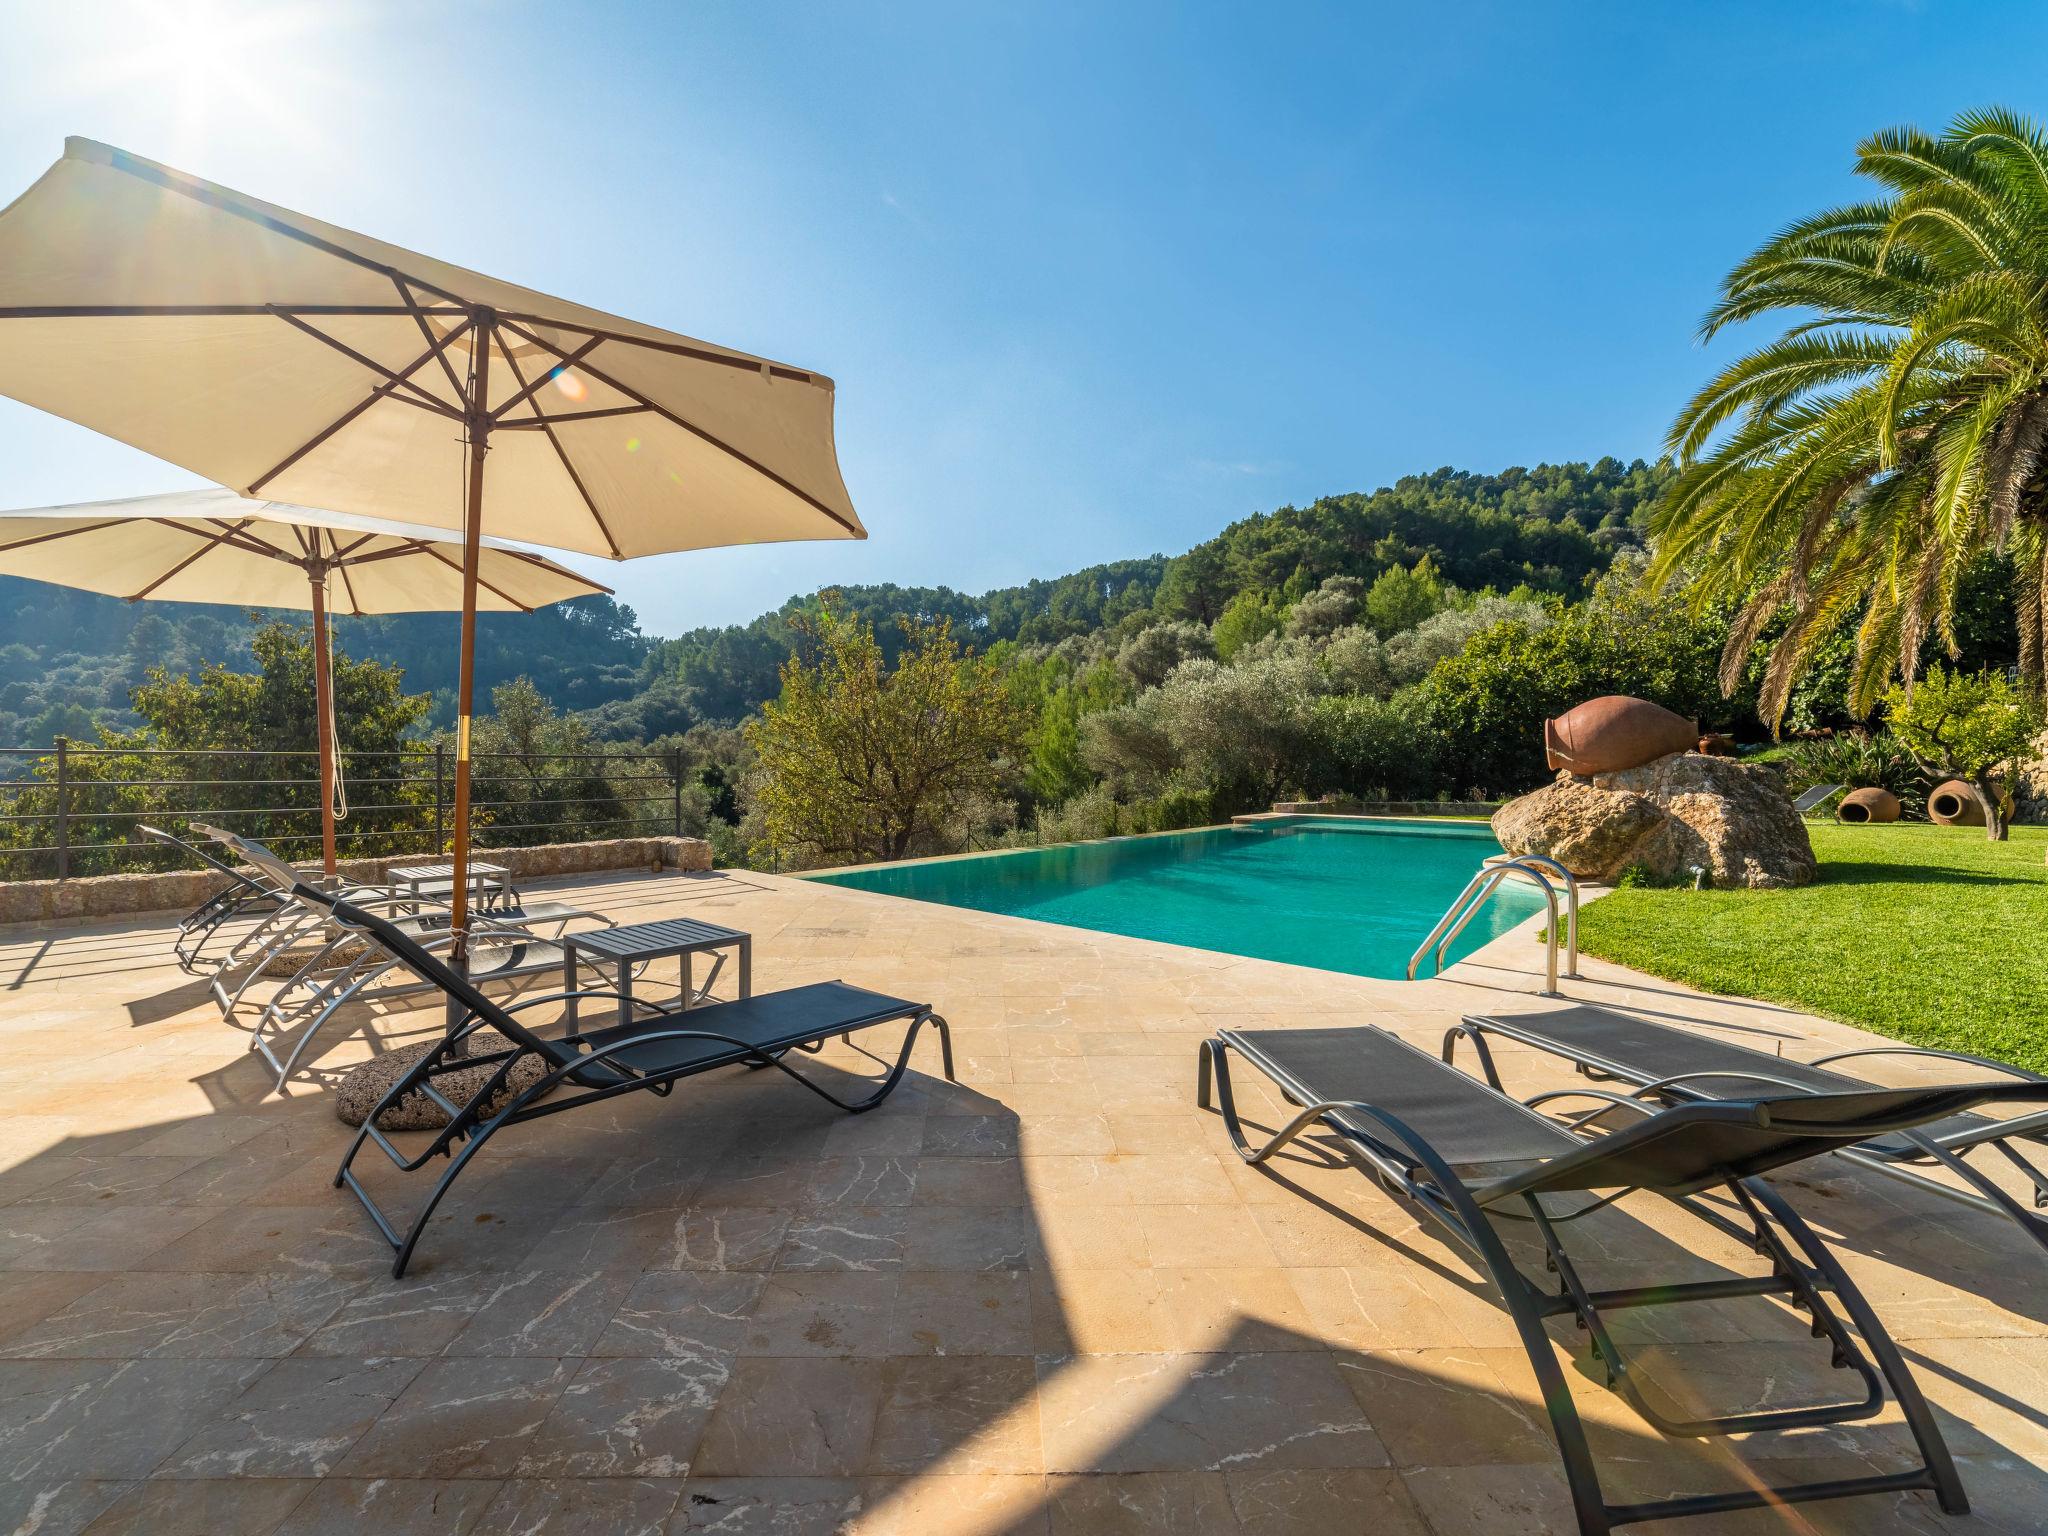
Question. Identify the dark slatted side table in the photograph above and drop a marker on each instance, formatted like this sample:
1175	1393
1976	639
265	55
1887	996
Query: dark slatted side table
636	943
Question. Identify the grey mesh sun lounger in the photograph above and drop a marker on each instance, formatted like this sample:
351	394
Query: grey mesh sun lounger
341	967
1412	1120
242	896
653	1053
1674	1066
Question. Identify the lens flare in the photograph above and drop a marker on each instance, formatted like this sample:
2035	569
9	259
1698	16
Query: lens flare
632	445
570	385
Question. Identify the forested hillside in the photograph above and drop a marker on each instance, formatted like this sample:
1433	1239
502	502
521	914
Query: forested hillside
1549	530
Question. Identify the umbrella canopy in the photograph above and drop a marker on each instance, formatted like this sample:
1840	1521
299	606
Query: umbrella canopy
213	546
282	356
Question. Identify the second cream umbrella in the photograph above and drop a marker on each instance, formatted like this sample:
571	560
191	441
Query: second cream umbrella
212	546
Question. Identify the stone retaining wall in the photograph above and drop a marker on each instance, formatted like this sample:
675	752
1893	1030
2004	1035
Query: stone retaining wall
46	901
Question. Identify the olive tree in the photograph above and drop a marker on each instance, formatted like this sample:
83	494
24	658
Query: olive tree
1968	726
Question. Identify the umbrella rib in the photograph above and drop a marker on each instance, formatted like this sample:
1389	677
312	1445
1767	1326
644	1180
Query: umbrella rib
673	348
231	534
526	390
694	430
487	586
62	533
212	543
419	396
528	423
355	606
379	393
427	331
562	456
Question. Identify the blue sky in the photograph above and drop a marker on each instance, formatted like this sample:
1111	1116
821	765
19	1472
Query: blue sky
1093	279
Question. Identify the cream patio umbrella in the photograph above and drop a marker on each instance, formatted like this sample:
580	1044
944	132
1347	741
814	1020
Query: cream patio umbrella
284	357
212	546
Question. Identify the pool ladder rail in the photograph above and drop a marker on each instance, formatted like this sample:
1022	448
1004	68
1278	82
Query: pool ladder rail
1546	874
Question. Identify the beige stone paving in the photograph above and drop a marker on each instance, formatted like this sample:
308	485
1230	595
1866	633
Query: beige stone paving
1045	1299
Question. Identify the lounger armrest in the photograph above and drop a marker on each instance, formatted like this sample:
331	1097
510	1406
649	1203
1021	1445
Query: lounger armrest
1930	1051
1608	1101
1744	1076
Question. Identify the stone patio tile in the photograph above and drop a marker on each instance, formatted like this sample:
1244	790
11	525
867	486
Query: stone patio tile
959	1414
1214	1412
864	1238
139	1316
343	1506
649	1181
1248	1308
1141	1503
1099	1312
787	1417
1065	1136
835	1182
121	1237
1067	1237
108	1420
734	1239
217	1507
1203	1236
125	1180
971	1136
418	1315
37	1508
742	1506
696	1315
979	1181
1378	1308
968	1237
1318	1501
333	1238
883	1132
1492	1500
461	1418
597	1506
1447	1407
945	1313
606	1237
827	1313
543	1312
626	1418
33	1295
297	1420
964	1505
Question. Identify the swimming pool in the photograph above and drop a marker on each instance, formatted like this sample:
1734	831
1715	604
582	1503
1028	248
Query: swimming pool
1343	895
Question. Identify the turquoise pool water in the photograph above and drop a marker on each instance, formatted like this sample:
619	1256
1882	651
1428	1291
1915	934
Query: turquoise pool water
1347	895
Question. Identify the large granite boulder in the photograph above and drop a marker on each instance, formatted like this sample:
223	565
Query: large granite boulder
1675	814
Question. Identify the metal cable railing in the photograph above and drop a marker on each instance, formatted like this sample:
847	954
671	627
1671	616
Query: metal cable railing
71	810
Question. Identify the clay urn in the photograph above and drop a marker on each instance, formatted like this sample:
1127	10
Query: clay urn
1867	805
1955	804
1717	745
1608	734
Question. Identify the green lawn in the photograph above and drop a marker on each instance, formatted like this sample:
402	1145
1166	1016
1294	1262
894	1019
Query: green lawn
1928	934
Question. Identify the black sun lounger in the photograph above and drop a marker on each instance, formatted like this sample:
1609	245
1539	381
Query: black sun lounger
652	1053
1674	1066
1413	1120
242	895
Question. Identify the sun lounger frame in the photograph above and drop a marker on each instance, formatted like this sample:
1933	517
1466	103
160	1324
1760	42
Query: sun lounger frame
1803	1271
585	1067
1902	1159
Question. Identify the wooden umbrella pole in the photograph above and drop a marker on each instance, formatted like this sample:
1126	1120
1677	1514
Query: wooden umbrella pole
323	706
482	334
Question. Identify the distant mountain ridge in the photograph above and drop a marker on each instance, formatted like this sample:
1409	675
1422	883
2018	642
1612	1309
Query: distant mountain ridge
67	659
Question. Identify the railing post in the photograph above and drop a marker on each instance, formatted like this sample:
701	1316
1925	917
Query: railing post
440	797
675	773
63	807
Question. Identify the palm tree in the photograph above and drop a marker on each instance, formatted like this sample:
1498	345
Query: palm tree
1855	467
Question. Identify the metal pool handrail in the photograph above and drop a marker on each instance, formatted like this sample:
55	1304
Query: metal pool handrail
1537	869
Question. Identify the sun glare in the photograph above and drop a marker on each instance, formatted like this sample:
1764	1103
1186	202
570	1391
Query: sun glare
210	71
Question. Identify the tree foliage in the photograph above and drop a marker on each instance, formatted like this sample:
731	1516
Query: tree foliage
1853	470
1970	726
860	761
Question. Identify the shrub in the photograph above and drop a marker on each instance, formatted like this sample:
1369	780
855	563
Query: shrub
1856	760
1372	748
